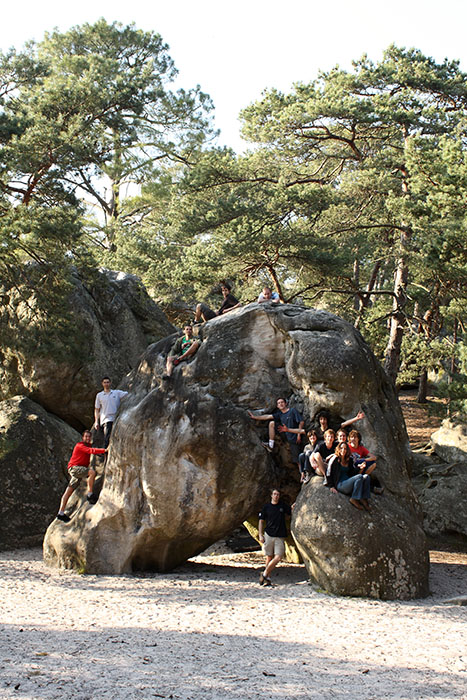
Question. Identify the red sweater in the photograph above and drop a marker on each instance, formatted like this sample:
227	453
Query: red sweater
82	454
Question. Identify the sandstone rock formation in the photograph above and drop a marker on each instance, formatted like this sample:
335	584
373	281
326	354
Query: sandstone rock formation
186	463
450	441
442	493
34	451
116	319
349	552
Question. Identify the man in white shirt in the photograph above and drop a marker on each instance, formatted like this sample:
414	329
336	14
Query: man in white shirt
268	295
106	407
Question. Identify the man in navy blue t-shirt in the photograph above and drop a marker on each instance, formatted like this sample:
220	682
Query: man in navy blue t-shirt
283	419
272	531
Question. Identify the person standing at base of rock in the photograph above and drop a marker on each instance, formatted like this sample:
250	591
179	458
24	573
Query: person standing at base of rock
105	408
286	421
205	313
78	468
183	348
272	531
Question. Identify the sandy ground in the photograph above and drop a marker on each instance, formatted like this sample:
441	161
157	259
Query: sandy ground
208	630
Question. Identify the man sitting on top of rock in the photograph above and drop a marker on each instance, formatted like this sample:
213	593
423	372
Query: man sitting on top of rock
203	311
268	295
284	420
183	348
78	468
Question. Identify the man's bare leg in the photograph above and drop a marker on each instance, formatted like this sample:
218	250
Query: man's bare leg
68	491
271	565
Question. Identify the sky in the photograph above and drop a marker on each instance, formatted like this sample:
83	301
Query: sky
236	50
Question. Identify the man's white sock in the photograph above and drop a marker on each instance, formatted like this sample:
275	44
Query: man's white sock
271	444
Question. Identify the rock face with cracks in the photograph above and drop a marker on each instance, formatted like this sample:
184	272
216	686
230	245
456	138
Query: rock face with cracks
186	464
116	319
34	451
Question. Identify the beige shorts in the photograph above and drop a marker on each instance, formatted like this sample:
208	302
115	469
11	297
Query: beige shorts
77	473
273	546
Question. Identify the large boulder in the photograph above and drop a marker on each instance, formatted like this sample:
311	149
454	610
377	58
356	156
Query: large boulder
450	441
186	464
34	451
442	493
381	554
115	320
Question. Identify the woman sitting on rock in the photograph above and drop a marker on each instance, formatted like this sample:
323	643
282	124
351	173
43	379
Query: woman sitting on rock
343	476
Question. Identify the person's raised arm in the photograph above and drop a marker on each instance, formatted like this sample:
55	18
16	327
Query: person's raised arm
359	416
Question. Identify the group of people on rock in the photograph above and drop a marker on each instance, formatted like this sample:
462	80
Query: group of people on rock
106	406
339	458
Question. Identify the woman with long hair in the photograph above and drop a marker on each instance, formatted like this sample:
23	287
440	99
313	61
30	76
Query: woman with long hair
344	477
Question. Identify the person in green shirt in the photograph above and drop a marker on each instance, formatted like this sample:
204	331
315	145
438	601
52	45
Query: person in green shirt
183	348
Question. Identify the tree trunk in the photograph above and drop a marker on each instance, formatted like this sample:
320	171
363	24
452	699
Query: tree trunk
422	387
396	330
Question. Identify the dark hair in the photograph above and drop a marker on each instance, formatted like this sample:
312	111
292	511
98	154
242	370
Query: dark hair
226	285
104	378
84	433
281	398
312	432
275	489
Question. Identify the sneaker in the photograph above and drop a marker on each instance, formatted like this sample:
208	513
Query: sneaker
379	490
166	377
261	579
92	498
307	478
267	447
267	581
63	517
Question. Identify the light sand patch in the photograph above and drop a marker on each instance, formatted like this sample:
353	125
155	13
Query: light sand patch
208	630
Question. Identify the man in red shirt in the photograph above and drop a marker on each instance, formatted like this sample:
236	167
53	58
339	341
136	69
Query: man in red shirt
78	468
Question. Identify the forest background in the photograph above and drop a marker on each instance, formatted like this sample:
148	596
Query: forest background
350	196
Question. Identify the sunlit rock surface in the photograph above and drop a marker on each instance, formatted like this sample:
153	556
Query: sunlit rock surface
186	463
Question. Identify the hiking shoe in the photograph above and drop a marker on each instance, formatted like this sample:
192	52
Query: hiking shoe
267	447
307	478
261	579
63	517
92	498
267	581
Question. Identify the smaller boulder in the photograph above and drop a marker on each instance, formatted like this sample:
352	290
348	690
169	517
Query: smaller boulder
381	554
450	441
34	451
442	493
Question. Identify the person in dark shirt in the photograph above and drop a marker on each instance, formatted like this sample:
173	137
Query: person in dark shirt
183	348
204	312
342	475
287	421
272	531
